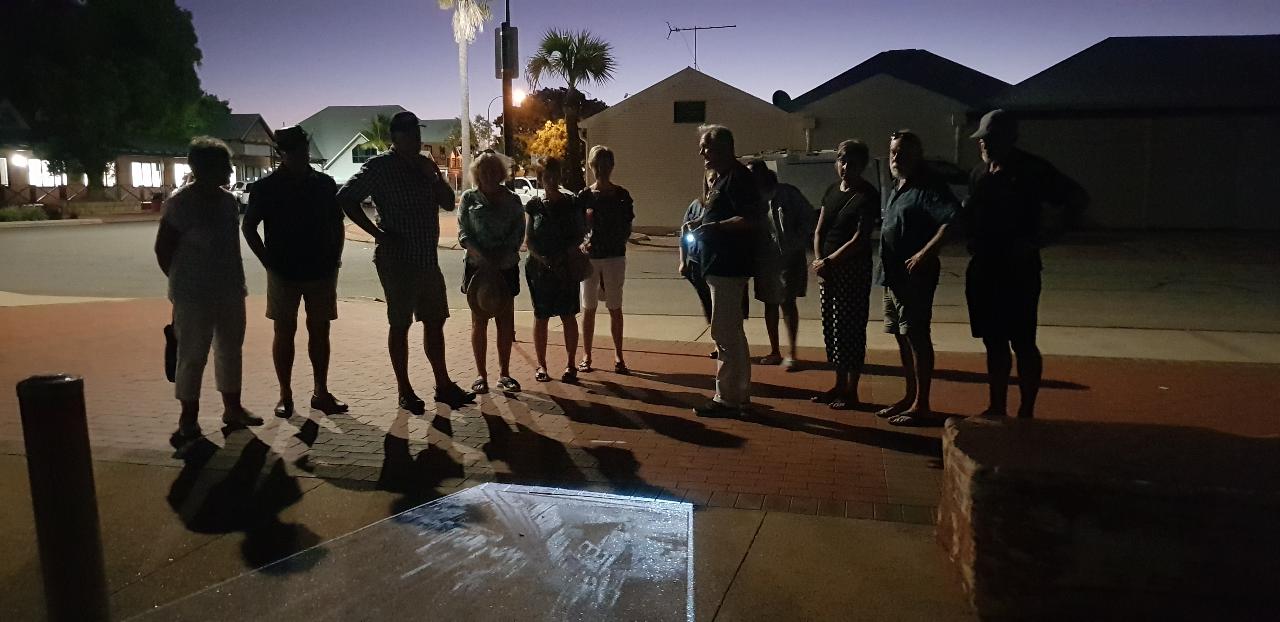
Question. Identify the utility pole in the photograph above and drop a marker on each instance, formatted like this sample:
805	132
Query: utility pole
695	29
508	65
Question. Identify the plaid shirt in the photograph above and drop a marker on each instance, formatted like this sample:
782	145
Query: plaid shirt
406	198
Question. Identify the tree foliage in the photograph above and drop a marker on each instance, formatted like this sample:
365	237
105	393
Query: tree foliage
378	133
578	58
542	105
118	74
550	141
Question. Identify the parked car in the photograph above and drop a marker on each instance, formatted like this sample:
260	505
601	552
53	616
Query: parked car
240	190
526	188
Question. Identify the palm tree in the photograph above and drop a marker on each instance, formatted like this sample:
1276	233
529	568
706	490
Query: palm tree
378	133
577	58
468	19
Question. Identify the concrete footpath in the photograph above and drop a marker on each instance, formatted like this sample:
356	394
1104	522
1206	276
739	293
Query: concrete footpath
803	512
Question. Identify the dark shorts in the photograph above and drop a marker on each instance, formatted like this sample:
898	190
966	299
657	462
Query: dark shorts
412	291
319	295
782	279
908	303
1003	299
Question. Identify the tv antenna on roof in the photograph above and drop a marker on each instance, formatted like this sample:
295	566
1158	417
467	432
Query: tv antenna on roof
695	29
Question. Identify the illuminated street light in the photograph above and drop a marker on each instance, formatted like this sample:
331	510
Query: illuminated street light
19	160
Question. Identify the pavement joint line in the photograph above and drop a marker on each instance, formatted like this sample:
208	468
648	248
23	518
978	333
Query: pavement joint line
741	563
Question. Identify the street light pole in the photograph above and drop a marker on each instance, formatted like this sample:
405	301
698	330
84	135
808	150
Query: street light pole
508	72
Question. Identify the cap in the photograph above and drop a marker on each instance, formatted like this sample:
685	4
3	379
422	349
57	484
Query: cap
404	120
996	122
292	137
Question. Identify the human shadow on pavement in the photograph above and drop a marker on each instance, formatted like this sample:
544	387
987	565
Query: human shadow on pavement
893	440
707	382
971	377
242	499
678	428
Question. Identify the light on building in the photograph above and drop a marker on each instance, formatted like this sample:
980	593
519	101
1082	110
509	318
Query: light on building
19	160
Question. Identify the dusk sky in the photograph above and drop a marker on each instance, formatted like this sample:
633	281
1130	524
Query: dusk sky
286	59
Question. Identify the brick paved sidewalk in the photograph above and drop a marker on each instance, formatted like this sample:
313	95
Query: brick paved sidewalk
633	434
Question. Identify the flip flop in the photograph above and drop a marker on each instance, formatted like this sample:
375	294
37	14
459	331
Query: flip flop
889	411
904	420
541	375
585	366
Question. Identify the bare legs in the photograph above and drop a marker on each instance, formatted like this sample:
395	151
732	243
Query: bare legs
282	354
589	330
916	351
505	322
432	343
791	317
1000	363
569	324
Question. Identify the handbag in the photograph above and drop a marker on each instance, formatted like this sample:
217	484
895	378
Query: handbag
577	265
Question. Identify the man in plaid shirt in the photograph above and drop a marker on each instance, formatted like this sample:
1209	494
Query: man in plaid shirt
407	190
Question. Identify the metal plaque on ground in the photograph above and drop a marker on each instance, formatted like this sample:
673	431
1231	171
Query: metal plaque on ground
492	552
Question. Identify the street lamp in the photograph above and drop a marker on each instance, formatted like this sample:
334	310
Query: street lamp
517	97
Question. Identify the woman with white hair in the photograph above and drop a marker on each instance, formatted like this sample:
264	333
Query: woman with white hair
491	228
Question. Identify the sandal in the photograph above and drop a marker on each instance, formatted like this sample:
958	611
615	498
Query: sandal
284	409
790	365
585	366
541	375
844	403
620	368
826	397
890	411
770	359
906	420
507	384
480	386
570	375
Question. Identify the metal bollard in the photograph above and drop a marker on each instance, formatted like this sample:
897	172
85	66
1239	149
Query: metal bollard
60	468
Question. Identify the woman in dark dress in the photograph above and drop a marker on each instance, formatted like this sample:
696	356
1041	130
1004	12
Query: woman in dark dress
555	228
842	247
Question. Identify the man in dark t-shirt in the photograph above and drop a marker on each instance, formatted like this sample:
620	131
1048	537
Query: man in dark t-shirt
304	234
1006	225
727	242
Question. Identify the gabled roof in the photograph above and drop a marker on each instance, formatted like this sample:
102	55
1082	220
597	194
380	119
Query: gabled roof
919	67
238	127
356	141
686	75
333	127
436	131
1157	74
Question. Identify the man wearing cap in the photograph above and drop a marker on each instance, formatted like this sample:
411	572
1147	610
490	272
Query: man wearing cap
303	249
1005	221
915	221
408	191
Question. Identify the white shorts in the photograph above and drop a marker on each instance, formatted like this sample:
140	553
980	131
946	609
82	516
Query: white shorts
608	275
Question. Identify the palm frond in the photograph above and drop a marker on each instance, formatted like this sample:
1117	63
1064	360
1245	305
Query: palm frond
469	17
577	57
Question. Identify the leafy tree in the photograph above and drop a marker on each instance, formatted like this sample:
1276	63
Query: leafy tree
551	140
542	105
469	17
485	134
379	133
119	73
578	58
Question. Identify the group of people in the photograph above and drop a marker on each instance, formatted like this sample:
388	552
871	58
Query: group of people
746	225
749	226
577	256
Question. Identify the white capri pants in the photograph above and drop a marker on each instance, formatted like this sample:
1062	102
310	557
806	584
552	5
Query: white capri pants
198	325
607	274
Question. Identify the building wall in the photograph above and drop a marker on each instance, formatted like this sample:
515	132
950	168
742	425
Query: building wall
872	109
1170	172
658	159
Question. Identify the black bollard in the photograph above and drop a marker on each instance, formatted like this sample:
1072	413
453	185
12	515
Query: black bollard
60	468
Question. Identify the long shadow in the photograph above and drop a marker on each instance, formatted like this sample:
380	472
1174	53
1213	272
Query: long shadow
238	502
973	377
708	382
684	430
764	389
874	437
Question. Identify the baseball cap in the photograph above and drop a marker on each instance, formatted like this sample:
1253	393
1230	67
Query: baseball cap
996	122
292	137
404	120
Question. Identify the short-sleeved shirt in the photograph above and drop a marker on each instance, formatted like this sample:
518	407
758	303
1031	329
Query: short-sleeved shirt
495	228
791	220
407	196
302	223
732	253
1002	216
911	217
555	226
844	212
609	216
206	263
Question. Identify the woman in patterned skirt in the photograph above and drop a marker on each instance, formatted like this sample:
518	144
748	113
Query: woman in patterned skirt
842	247
555	229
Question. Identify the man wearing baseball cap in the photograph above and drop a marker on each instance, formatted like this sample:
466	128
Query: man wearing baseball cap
408	191
303	250
1006	225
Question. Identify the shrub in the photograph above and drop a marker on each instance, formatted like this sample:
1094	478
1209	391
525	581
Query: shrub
22	212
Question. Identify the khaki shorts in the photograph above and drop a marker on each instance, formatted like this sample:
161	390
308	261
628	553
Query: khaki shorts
412	291
607	278
320	295
908	306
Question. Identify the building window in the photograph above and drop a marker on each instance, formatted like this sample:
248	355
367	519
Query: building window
181	173
146	174
360	155
691	112
4	171
109	175
38	175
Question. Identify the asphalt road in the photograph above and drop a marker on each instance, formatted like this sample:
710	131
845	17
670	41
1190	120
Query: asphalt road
1172	281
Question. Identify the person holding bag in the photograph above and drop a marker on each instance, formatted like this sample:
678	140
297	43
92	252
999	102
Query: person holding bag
491	228
555	267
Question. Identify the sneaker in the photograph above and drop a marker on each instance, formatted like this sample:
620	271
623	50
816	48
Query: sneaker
454	396
240	418
412	403
328	404
790	365
714	409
